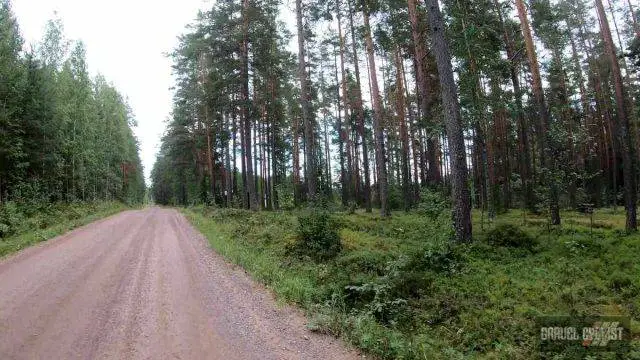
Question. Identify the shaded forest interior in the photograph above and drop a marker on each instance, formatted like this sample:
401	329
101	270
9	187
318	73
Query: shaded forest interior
499	105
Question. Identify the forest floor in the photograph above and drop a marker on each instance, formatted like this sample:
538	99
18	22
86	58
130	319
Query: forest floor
144	284
397	289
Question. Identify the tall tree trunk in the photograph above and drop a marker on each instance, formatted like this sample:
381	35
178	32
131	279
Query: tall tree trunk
359	109
412	137
296	161
210	160
425	95
229	170
546	156
250	187
524	156
453	124
383	187
342	132
310	155
404	135
256	156
621	122
234	130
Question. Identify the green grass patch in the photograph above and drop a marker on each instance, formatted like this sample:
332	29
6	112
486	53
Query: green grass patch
398	290
51	220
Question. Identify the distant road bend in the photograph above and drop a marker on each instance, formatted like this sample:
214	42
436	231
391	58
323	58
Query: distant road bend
144	285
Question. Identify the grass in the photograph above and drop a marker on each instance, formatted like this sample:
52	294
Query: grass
53	220
397	290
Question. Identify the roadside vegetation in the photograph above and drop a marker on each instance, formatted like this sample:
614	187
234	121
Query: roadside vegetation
399	289
22	226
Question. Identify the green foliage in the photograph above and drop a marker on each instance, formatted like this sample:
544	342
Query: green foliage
10	219
511	236
317	236
63	136
432	203
398	289
284	192
29	224
207	95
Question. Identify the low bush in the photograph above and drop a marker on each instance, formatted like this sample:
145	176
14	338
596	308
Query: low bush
317	236
10	219
432	203
509	235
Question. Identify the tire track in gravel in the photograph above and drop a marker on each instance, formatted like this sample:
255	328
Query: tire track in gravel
144	285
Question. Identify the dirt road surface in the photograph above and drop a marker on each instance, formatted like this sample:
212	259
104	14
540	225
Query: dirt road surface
144	285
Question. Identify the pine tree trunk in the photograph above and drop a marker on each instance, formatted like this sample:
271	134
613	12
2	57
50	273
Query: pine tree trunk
296	161
228	171
412	137
360	116
210	160
310	155
378	120
250	187
546	157
524	157
404	135
425	95
453	123
341	129
621	122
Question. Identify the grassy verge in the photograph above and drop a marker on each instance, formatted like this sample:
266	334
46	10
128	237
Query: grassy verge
397	290
51	221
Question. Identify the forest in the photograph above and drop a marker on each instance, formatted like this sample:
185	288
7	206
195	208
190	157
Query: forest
498	105
426	179
66	137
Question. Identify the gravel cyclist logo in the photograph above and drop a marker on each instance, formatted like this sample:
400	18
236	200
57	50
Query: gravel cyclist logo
567	334
601	333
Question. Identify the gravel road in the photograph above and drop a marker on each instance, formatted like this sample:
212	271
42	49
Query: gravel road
144	285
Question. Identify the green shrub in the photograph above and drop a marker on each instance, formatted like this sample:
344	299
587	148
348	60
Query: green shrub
509	235
364	261
445	259
395	199
10	219
620	281
432	203
317	236
581	244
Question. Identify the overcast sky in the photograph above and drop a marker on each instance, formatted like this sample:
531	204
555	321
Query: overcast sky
126	41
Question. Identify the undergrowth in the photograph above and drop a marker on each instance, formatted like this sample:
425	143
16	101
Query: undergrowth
398	289
22	226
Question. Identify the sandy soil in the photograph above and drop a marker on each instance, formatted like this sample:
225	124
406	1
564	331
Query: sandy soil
144	285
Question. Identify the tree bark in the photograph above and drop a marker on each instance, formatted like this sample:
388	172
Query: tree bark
378	125
310	155
453	123
524	156
244	93
546	157
425	95
621	122
340	128
404	135
366	193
